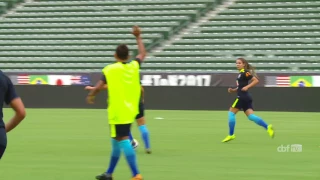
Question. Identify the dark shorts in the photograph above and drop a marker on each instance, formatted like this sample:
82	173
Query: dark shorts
3	141
243	104
141	111
120	130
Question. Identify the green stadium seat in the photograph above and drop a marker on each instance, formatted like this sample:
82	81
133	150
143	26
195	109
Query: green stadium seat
56	3
49	53
101	59
3	8
243	40
270	22
84	34
71	42
89	25
131	14
97	19
275	35
252	35
245	47
75	36
166	31
6	5
76	8
265	28
275	4
271	10
80	36
62	48
268	16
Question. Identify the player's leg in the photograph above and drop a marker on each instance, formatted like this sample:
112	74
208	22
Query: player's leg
248	110
143	128
235	107
131	137
115	155
123	132
3	141
120	141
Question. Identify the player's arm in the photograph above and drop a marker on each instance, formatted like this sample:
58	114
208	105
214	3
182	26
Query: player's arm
12	99
96	89
142	93
92	87
253	81
232	90
141	48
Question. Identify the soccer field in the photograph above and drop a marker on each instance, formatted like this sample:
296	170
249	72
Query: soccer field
72	144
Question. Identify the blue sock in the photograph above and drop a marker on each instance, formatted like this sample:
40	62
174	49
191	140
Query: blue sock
145	136
258	120
232	122
130	154
115	155
130	137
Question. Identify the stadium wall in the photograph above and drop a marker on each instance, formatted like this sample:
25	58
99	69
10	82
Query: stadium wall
176	98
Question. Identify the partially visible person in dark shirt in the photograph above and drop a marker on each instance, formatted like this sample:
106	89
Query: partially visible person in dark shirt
9	96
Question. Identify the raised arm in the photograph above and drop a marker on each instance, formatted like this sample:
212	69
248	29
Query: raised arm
142	51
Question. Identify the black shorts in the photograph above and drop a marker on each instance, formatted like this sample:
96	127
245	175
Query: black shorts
243	104
120	130
3	141
141	111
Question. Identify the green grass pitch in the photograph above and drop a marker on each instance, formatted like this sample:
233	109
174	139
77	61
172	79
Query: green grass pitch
72	144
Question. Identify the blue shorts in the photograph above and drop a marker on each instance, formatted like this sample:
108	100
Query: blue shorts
141	110
243	104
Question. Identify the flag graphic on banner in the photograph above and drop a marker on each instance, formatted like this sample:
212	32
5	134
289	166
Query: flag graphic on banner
315	81
23	79
38	79
301	81
270	81
59	80
80	80
14	79
283	81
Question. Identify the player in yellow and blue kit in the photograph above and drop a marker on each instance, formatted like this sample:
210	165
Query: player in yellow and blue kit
140	120
244	99
124	93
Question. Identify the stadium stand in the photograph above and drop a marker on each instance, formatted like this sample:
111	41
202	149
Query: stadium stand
80	36
6	5
276	35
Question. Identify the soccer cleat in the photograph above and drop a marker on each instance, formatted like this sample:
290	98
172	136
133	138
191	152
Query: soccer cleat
137	177
270	131
134	143
148	151
104	176
229	138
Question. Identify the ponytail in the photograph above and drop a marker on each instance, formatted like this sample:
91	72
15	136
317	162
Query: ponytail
252	70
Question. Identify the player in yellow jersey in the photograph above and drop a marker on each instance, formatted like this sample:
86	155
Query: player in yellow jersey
124	92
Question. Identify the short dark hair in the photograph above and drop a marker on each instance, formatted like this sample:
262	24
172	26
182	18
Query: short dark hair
122	51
